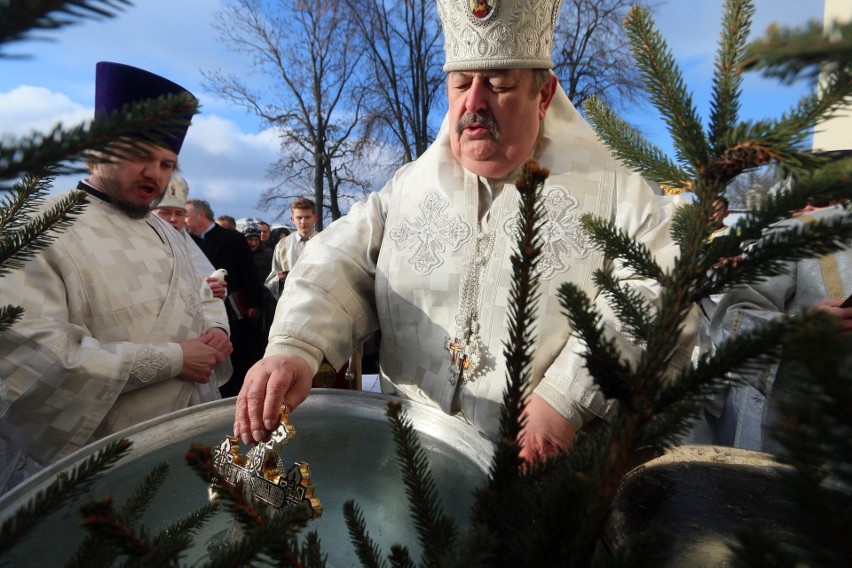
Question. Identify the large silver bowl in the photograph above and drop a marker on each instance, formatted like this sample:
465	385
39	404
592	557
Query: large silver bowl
701	495
343	435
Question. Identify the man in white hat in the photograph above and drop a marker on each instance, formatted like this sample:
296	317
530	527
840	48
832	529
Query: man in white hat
172	209
427	258
117	328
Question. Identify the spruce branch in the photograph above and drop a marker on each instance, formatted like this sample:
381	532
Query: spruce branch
435	530
499	502
685	225
273	539
523	297
187	526
9	315
142	496
200	459
727	81
615	243
20	244
312	556
603	359
633	149
680	400
96	551
827	184
400	558
19	17
630	307
771	255
17	206
63	488
752	144
149	121
366	549
665	85
106	524
790	54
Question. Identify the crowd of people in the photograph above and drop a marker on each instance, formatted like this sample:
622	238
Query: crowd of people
150	303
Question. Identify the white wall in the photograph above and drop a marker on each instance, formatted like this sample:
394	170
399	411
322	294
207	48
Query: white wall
836	134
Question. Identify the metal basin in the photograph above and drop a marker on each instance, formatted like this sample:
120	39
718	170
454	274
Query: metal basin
343	435
700	494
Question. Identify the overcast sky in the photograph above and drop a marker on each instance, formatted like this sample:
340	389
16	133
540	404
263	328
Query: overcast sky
227	152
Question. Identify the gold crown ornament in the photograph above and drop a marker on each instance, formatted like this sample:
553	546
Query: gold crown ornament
498	34
262	470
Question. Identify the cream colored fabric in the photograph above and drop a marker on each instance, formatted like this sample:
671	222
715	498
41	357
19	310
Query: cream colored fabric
397	261
176	194
284	256
97	349
498	34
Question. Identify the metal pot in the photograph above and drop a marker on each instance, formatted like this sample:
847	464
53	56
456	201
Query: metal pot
701	495
343	435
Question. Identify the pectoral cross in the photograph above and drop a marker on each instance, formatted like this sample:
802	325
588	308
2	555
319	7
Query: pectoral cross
456	347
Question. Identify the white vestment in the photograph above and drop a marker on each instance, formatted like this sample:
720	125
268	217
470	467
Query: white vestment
284	256
400	259
97	350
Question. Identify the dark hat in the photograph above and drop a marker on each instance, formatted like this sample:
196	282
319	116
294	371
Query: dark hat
117	85
251	230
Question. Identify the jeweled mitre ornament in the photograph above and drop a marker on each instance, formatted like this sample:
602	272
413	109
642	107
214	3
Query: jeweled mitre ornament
498	34
262	470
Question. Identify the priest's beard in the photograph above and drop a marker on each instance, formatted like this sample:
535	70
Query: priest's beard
132	210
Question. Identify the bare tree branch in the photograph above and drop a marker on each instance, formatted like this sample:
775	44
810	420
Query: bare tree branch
306	53
402	41
592	55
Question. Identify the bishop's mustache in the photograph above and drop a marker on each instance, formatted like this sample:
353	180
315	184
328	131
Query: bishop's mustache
482	120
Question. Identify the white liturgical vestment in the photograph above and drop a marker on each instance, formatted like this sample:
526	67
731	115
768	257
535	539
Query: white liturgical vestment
97	350
400	260
284	256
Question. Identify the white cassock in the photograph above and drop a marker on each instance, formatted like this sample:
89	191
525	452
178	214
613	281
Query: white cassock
284	256
97	350
402	261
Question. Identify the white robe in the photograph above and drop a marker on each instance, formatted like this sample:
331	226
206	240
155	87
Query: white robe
97	349
398	260
284	256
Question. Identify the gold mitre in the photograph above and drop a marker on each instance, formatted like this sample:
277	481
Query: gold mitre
498	34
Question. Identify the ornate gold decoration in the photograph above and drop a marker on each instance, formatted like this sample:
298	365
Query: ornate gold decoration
262	471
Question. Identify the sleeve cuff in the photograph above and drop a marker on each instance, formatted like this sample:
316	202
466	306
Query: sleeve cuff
292	346
577	414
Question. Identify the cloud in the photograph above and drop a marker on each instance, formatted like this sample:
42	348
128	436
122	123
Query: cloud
25	109
227	166
222	163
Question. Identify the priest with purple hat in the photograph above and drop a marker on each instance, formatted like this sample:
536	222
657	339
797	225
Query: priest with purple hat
118	328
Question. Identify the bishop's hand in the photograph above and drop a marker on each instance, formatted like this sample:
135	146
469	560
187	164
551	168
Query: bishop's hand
546	432
273	380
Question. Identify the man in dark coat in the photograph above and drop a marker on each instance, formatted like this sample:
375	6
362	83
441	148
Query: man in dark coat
262	258
226	248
